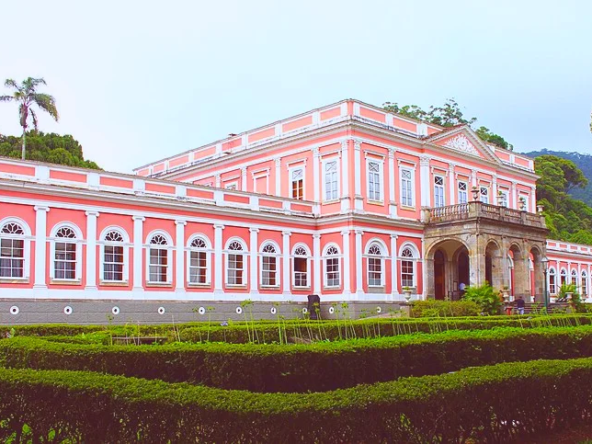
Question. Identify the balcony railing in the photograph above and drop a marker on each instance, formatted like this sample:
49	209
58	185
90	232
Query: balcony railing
473	210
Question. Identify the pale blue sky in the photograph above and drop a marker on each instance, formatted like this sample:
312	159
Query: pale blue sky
136	81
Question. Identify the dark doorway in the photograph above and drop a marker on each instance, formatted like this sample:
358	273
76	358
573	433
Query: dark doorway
463	271
488	269
439	275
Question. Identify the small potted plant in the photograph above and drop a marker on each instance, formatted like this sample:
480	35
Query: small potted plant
407	293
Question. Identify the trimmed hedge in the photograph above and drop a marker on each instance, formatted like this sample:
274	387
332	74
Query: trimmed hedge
302	368
434	307
489	404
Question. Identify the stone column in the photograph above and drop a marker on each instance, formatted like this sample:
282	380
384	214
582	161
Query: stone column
218	247
394	268
346	264
138	252
476	261
359	265
521	276
40	247
316	253
392	178
91	250
539	279
358	198
180	256
345	193
253	248
286	263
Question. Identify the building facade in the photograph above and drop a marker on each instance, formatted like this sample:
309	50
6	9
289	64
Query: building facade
345	201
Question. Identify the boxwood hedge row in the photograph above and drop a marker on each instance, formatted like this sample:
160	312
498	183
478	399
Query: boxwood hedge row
299	330
302	368
488	404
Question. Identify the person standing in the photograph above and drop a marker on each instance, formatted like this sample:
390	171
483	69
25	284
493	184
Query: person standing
520	305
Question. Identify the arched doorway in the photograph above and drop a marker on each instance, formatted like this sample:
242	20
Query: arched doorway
440	275
463	269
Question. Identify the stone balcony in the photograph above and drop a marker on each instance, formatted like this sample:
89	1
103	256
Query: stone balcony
474	211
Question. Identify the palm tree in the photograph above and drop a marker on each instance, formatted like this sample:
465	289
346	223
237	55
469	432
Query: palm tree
26	95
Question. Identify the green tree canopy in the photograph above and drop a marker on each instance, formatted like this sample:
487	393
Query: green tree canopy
447	115
50	147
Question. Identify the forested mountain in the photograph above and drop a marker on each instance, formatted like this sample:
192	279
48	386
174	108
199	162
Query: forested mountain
583	162
47	147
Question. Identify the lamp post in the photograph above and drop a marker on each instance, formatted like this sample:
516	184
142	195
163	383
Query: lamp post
545	262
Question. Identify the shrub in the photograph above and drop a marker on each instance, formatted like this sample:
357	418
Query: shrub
301	368
486	297
502	403
435	308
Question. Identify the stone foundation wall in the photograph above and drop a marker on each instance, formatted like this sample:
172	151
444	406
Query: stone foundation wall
31	311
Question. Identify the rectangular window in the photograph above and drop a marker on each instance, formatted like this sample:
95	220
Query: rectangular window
406	188
269	271
300	272
484	193
158	265
331	181
65	260
332	272
198	267
462	193
375	181
584	287
297	184
113	263
552	283
523	201
12	258
503	198
374	272
407	273
439	191
235	269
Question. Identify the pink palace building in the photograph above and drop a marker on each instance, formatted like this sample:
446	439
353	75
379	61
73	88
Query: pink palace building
346	201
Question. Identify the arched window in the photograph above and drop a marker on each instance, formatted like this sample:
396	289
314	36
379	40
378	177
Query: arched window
65	254
113	257
12	251
199	262
584	286
375	265
269	266
159	260
235	264
300	267
332	267
574	277
552	281
563	277
407	268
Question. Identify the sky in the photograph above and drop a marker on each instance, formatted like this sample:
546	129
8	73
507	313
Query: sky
137	81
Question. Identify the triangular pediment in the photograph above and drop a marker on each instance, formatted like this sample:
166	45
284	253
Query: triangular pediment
464	140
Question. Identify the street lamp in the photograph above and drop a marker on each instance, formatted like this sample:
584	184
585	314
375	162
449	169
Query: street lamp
545	262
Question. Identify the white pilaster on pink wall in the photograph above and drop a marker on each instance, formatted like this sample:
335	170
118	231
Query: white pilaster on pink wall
40	247
286	263
394	272
316	253
218	259
180	255
345	176
359	269
346	263
91	250
138	250
253	249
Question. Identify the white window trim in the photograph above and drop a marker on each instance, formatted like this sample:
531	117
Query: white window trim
415	259
466	191
506	193
245	253
380	163
549	279
278	256
169	248
308	257
324	179
78	241
413	178
26	245
290	171
486	186
443	186
385	253
208	250
261	175
337	256
126	257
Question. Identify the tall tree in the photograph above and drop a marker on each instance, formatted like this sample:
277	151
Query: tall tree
26	96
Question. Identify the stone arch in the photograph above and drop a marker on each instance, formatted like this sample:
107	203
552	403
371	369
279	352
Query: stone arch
494	272
442	268
538	277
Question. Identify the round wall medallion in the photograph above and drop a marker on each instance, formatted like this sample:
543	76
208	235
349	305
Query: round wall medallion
14	310
161	310
68	310
379	310
115	310
304	310
239	310
273	310
331	310
201	311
